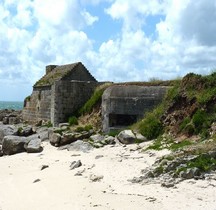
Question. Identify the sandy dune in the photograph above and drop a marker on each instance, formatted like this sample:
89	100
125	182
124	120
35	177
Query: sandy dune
24	186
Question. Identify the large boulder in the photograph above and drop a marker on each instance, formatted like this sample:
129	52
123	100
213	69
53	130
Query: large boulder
79	145
14	144
99	140
25	131
6	130
126	137
58	137
34	146
10	116
55	139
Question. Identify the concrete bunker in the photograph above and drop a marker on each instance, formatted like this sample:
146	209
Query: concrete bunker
123	105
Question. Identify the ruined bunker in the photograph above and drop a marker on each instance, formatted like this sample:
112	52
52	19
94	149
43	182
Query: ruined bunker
123	105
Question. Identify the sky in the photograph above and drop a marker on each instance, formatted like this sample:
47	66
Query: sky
117	40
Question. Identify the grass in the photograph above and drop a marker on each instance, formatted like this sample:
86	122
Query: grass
176	146
94	100
73	121
203	162
84	128
167	142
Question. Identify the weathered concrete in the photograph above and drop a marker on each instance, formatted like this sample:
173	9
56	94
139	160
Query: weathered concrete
123	105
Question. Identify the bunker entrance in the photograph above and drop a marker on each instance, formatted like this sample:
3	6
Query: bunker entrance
121	120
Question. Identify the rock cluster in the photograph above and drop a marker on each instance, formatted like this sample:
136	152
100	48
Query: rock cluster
10	117
20	138
170	170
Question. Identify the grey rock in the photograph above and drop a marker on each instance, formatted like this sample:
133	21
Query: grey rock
140	137
212	154
6	130
75	164
190	173
67	138
36	180
167	184
43	133
55	139
14	144
109	140
44	167
13	120
96	178
80	145
5	120
1	151
79	173
97	145
25	131
34	146
136	179
98	156
126	137
97	138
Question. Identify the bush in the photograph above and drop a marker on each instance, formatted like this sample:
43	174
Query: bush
85	128
184	123
95	99
199	118
114	133
150	126
73	120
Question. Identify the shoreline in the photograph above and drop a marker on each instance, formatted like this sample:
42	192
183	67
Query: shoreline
24	185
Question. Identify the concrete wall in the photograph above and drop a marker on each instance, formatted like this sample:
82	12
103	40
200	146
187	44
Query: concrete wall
67	97
80	73
37	106
128	103
58	102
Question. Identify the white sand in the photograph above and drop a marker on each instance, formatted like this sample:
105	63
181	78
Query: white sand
59	189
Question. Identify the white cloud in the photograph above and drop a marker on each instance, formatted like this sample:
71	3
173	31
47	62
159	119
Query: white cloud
35	33
133	13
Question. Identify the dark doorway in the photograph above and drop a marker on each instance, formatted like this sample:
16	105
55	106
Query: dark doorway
121	120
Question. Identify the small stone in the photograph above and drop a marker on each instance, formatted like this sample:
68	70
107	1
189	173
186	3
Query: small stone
136	179
43	167
79	173
96	178
167	184
36	180
99	156
75	164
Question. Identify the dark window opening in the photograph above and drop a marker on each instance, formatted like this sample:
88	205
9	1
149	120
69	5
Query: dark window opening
121	120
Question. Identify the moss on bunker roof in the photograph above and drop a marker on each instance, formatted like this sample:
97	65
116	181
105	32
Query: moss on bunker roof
58	73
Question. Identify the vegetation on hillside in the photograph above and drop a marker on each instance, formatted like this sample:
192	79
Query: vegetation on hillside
189	108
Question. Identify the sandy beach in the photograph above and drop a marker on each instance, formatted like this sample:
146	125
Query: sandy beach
100	183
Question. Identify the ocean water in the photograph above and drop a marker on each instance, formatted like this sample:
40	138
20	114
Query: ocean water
16	105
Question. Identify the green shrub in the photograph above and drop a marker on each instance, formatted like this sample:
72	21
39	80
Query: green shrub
48	124
150	126
85	128
88	127
189	129
73	120
184	123
114	133
157	145
95	99
199	119
203	162
176	146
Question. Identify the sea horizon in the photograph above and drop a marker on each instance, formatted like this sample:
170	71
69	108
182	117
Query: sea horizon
15	105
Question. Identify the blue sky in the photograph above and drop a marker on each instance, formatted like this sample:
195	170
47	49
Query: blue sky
117	40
